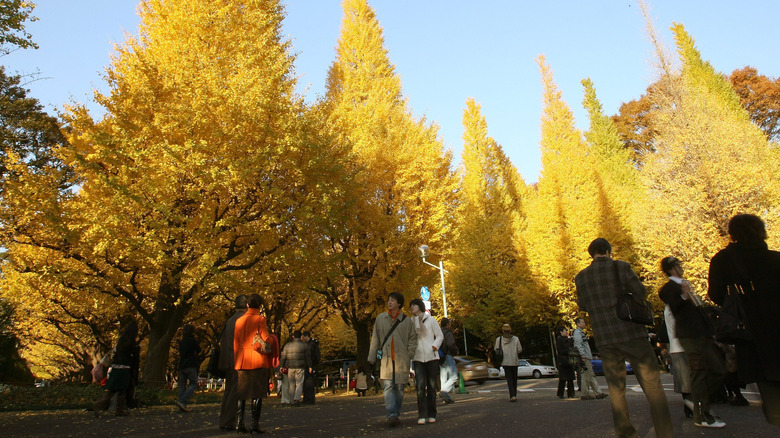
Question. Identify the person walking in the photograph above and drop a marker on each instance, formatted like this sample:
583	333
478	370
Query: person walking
510	346
253	350
565	369
309	389
426	361
696	338
598	287
589	382
681	373
750	269
297	359
119	375
227	363
189	362
448	371
393	343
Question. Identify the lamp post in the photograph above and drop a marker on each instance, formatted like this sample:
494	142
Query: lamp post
425	252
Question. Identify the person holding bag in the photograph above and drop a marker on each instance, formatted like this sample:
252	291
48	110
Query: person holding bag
565	369
119	375
254	356
510	348
393	345
598	289
748	268
696	338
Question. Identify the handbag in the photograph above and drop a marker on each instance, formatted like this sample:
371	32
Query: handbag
498	356
574	356
631	308
213	365
729	319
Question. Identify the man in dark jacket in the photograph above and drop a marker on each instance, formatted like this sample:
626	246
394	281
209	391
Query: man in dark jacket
598	287
308	378
229	409
189	362
696	338
448	371
297	359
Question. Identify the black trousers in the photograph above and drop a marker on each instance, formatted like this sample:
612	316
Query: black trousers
511	379
308	386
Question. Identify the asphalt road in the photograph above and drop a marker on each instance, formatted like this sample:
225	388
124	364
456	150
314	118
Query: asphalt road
484	411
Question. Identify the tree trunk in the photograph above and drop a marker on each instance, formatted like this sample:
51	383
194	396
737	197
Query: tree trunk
363	330
162	329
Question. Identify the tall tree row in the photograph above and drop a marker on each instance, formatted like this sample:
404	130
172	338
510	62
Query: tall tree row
206	176
403	189
562	217
491	277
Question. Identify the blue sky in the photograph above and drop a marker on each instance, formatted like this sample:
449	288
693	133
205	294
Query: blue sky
446	51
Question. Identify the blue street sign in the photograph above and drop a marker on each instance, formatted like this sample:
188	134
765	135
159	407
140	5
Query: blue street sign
425	294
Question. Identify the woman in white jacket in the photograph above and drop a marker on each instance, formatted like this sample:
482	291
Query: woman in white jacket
426	361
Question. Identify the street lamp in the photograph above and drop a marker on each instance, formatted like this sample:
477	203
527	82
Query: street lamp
424	252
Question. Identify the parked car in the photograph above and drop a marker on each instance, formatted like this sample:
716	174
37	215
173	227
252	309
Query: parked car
526	368
598	368
472	368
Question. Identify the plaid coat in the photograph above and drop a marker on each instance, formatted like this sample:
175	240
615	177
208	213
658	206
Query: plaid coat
597	294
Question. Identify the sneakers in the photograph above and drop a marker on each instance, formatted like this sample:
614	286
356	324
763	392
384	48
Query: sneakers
602	395
512	399
421	421
431	420
710	421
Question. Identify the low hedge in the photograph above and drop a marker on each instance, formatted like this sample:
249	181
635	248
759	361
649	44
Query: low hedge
78	396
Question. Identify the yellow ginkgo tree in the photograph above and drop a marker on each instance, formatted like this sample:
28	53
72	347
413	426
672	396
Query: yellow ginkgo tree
198	177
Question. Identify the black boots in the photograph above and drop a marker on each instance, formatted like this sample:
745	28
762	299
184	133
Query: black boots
240	426
257	406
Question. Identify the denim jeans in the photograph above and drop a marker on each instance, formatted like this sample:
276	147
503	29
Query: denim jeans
642	358
394	396
187	375
426	378
448	374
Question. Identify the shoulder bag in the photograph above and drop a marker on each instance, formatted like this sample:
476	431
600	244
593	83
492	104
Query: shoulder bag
631	308
498	356
378	364
730	319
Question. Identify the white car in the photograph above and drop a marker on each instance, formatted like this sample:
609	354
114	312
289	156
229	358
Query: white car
526	369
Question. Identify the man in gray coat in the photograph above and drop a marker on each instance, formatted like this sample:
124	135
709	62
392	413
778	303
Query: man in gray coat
227	413
395	353
296	357
588	377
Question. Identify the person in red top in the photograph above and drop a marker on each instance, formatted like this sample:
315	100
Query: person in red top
253	350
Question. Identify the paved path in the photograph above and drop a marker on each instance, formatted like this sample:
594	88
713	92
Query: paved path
483	412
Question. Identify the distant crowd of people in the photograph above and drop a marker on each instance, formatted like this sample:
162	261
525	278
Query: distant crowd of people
745	275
